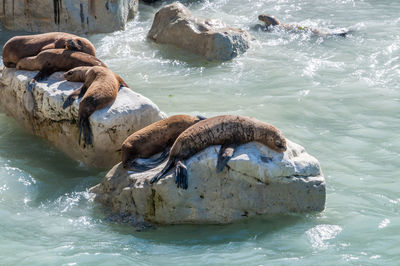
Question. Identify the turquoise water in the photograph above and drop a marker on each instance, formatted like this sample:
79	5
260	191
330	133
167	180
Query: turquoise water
338	97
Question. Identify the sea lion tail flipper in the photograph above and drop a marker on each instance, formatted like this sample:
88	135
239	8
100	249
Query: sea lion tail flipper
201	117
181	175
163	172
150	163
225	154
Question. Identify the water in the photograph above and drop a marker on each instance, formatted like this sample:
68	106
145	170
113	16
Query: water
338	97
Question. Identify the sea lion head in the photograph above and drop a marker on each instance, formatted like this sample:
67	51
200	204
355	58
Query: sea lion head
81	45
76	74
269	20
276	140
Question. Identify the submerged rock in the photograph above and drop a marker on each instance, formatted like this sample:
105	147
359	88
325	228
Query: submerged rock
175	24
41	113
85	16
257	181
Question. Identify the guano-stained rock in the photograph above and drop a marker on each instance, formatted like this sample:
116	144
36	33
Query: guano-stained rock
84	16
43	116
257	180
174	24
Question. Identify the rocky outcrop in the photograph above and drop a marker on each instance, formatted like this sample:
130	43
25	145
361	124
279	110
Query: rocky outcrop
257	181
44	116
175	24
83	16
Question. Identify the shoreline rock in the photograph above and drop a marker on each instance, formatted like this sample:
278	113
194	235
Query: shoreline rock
257	181
45	117
174	24
85	16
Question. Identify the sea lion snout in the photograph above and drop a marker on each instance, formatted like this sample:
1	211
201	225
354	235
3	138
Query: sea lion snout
74	45
281	146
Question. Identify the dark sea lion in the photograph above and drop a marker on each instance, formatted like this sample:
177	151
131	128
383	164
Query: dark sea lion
30	45
53	60
226	130
154	139
272	21
99	90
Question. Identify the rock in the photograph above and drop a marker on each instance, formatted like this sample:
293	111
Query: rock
175	24
257	181
43	115
84	16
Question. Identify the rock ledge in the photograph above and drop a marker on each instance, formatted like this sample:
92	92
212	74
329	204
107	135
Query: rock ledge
256	181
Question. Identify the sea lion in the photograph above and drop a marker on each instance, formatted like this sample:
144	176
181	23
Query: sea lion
226	130
78	74
153	139
272	21
99	90
30	45
53	60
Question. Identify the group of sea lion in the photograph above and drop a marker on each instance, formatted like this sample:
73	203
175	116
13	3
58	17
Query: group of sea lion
59	51
179	137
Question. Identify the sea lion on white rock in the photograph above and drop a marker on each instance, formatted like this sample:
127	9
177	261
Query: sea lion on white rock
53	60
99	90
153	139
225	130
30	45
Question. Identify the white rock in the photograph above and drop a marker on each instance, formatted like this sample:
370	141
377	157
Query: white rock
257	180
84	16
175	24
110	126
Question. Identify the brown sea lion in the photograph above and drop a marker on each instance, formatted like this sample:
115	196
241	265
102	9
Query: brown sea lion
30	45
153	139
77	74
272	21
53	60
226	130
99	90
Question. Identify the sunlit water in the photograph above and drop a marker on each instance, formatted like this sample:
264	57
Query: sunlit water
338	97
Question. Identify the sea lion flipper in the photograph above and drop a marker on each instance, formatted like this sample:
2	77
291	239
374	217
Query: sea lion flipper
44	73
84	126
49	46
181	175
163	172
70	99
151	163
225	154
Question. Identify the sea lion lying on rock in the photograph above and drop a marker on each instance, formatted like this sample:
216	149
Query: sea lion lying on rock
99	90
225	130
272	21
53	60
153	139
30	45
78	74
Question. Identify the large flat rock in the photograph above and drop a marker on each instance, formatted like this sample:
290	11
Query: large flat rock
84	16
174	24
257	181
110	126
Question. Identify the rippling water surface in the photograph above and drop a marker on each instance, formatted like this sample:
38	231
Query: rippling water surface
338	97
